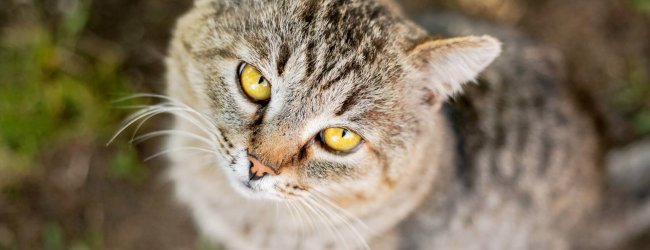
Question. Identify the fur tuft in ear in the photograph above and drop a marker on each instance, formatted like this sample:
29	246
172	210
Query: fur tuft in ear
445	65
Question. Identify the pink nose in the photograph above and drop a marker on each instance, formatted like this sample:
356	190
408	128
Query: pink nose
258	169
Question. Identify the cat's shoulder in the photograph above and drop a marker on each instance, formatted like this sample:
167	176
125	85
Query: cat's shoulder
523	142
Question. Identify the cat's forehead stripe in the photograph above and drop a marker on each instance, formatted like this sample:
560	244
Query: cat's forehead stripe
283	58
351	100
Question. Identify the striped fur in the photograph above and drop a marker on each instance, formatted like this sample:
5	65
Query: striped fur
356	64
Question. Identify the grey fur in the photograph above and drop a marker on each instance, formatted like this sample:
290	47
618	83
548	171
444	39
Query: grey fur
511	166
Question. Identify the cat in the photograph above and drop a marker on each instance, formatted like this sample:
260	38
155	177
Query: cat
305	124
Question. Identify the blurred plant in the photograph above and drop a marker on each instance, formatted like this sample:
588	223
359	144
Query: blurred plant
634	99
125	166
642	6
56	84
54	238
206	245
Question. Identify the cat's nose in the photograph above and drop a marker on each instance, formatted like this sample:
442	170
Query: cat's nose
258	169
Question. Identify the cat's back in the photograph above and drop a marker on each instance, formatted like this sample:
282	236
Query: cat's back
526	172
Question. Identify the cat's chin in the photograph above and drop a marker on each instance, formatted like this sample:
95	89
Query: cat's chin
253	192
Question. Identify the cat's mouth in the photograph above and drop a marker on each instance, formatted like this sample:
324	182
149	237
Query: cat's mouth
268	191
256	190
252	186
268	188
249	187
256	180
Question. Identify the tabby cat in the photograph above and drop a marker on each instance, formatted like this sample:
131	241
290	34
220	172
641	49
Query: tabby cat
308	124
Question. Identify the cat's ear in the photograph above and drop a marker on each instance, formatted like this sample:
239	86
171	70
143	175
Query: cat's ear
445	65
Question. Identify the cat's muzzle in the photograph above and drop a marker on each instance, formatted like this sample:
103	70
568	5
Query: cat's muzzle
259	170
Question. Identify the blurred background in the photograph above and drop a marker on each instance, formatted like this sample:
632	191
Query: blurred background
64	62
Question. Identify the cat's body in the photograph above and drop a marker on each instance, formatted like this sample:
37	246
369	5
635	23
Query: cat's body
510	165
527	173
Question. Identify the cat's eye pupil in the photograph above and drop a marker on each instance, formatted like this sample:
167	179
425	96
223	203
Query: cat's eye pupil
253	83
340	140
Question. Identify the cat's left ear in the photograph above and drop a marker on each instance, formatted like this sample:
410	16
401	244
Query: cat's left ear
445	65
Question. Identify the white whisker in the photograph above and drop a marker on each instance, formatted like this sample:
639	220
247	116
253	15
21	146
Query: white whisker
318	209
310	220
179	149
143	95
155	134
300	214
320	195
160	108
177	109
346	221
328	226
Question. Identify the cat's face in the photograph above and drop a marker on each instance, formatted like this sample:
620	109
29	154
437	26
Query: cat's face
326	97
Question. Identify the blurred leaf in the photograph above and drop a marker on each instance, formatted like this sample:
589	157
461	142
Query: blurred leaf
642	6
12	193
58	83
50	90
642	122
207	245
633	100
53	237
126	166
91	241
75	20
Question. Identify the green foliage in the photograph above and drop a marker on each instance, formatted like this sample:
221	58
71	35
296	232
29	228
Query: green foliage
126	166
206	245
53	89
642	6
53	238
58	84
634	99
642	122
92	240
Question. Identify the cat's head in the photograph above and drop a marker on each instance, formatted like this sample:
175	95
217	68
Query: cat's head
316	96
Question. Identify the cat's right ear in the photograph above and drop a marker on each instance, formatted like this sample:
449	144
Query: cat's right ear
443	66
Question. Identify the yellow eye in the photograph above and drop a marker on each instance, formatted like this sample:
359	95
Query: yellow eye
340	139
254	83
